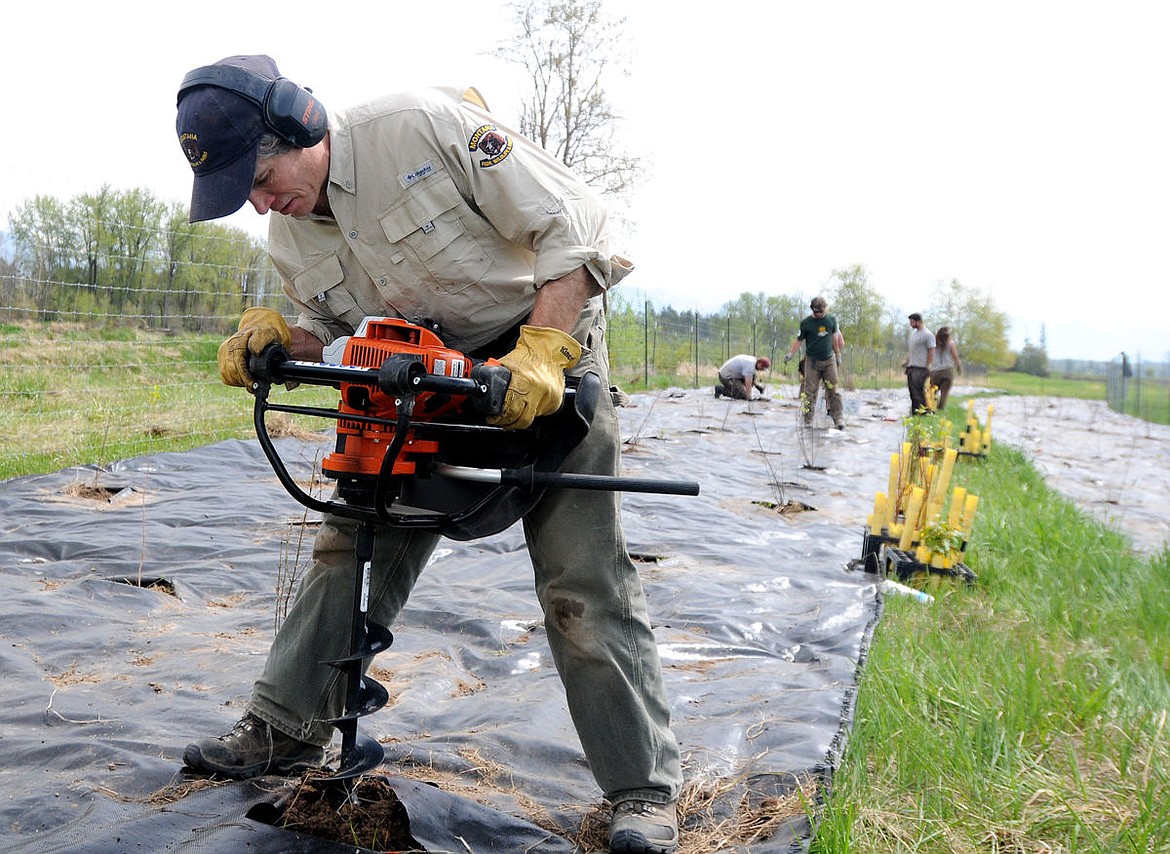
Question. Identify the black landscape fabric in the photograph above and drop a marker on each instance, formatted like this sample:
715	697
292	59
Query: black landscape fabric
140	600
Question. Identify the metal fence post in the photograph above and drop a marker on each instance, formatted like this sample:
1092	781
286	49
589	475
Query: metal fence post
695	315
646	345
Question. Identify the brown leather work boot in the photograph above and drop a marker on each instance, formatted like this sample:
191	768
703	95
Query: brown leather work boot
253	748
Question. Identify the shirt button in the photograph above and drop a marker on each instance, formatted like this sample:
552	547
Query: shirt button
353	234
382	280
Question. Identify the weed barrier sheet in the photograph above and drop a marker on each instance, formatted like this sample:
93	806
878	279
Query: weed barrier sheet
761	617
1113	466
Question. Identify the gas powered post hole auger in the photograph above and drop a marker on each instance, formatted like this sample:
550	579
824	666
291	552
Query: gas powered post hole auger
414	450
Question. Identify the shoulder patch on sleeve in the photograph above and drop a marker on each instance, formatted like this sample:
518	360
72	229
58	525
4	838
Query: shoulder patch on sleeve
489	140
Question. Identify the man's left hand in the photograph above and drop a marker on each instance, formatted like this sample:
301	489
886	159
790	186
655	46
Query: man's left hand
259	328
538	366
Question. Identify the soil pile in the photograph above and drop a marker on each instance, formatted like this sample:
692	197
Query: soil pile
371	816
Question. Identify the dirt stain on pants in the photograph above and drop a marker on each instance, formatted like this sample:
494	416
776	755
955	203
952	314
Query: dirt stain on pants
565	611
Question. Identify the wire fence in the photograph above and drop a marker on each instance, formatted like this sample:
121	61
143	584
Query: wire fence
653	349
1141	389
91	373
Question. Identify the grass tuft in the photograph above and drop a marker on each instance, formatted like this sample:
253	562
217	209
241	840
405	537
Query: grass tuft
1025	713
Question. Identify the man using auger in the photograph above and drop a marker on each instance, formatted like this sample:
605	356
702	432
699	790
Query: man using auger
424	205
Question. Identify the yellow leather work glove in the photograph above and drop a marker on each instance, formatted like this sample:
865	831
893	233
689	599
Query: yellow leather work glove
538	366
258	328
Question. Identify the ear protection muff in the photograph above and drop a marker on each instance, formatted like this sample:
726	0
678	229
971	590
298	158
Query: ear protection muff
289	111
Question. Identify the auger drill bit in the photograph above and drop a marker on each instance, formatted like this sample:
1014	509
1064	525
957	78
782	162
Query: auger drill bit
363	695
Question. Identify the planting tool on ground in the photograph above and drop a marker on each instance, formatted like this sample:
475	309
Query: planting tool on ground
414	450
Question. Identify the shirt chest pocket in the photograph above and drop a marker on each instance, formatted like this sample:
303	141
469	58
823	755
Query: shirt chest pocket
435	225
317	286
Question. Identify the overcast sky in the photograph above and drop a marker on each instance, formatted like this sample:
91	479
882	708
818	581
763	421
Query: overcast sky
1021	147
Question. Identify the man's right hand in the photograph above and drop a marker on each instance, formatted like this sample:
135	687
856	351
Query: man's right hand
259	327
538	365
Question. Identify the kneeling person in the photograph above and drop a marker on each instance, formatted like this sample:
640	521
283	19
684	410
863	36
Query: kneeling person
738	376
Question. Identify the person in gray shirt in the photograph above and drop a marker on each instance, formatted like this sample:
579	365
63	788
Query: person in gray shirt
946	364
919	357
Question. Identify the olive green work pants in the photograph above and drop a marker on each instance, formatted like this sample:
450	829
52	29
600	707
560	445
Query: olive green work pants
817	371
595	615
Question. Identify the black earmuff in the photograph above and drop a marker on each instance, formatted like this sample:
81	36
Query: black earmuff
290	111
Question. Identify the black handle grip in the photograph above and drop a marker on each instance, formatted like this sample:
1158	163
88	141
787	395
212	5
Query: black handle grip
399	374
494	380
569	480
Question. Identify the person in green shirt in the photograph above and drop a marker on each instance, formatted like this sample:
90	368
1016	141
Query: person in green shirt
822	356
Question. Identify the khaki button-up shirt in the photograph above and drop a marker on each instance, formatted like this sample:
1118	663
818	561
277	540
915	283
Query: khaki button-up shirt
440	213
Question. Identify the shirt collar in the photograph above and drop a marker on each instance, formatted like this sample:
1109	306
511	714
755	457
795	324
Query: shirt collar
341	164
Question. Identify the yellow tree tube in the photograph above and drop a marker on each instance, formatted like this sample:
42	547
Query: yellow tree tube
879	514
938	487
927	474
892	491
972	423
987	429
968	522
956	515
905	480
910	528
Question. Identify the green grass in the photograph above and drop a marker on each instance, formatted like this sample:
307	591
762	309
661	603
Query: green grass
1005	382
1027	384
71	396
1148	399
1025	713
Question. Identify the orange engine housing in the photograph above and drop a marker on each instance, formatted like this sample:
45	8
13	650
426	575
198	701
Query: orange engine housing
361	447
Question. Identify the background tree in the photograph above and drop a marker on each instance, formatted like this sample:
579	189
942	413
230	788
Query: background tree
7	272
92	215
761	321
1032	359
44	247
783	314
568	48
126	257
895	328
177	245
135	229
979	328
858	307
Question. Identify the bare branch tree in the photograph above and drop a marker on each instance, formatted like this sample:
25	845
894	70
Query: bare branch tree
568	47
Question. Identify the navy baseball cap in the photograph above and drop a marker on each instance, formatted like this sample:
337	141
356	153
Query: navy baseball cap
219	131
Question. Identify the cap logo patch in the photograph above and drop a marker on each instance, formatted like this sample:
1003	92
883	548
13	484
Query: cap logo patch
490	141
196	156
